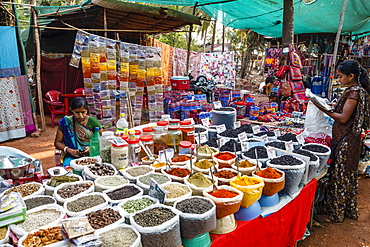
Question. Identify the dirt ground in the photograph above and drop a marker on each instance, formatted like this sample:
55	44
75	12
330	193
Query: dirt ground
350	233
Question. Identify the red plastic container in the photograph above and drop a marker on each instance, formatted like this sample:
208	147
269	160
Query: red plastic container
180	82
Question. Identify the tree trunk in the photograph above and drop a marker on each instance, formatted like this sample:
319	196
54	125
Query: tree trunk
213	36
288	23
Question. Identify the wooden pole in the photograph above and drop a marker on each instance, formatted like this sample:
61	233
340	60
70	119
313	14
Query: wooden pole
213	36
38	69
335	52
105	23
189	44
223	38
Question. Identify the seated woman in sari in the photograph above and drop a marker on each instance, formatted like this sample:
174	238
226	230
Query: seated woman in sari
74	132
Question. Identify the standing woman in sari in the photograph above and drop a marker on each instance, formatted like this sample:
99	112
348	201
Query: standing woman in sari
351	116
74	132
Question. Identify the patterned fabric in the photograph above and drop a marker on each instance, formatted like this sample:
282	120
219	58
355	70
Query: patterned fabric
342	187
179	61
22	82
10	72
11	119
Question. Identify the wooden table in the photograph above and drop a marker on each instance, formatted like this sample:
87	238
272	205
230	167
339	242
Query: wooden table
66	97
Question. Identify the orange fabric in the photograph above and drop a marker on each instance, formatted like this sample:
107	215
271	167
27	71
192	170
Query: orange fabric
166	58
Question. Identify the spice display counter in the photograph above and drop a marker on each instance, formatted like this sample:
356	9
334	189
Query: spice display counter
282	228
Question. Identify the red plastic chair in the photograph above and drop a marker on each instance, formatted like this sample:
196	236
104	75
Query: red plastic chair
54	104
79	90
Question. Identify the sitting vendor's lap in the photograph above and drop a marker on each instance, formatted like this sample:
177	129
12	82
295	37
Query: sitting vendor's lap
67	161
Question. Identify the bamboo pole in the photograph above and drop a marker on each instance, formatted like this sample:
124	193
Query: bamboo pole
335	52
223	38
105	23
213	36
189	44
38	69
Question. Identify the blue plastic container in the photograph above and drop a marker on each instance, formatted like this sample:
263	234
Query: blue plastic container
269	201
203	240
249	213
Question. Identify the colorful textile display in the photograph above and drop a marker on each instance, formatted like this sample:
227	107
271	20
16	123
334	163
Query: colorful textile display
179	61
9	58
24	94
11	119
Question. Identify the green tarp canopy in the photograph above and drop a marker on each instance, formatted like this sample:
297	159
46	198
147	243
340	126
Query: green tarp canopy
266	16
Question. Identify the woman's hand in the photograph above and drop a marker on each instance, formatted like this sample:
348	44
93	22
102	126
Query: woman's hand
74	152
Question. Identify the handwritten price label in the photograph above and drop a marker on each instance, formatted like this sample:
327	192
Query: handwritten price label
289	146
245	146
237	124
223	141
271	152
217	104
242	137
220	128
277	132
256	129
205	122
191	120
300	139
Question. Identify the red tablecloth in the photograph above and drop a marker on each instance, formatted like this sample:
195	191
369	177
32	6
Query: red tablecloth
280	229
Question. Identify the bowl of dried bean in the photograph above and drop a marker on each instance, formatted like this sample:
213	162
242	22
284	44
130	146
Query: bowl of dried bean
52	183
70	190
39	200
100	169
80	163
104	217
132	205
28	189
176	191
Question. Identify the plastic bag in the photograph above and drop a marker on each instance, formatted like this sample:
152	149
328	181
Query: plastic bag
252	193
272	185
316	121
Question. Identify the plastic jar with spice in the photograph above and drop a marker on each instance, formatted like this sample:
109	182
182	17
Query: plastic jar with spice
160	136
105	142
175	122
134	149
174	137
147	140
187	131
132	134
119	155
148	131
185	147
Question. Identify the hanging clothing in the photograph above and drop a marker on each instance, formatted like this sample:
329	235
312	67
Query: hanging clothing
342	188
11	119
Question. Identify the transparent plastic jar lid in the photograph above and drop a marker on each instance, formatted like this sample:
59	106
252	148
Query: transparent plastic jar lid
173	127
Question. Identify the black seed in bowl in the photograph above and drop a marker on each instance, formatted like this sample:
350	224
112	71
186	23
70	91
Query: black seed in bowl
261	152
199	130
247	128
229	146
276	144
229	133
286	160
212	142
315	148
307	153
268	133
288	137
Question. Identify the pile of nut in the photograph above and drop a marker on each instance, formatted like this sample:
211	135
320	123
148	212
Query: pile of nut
101	169
43	237
74	189
102	218
86	161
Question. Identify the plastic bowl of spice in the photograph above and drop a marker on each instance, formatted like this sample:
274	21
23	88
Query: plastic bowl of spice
118	194
47	236
159	225
70	190
205	152
183	160
176	191
177	173
247	166
132	205
199	182
147	161
227	199
225	175
83	204
197	216
203	165
28	189
122	235
132	173
145	180
100	169
78	165
322	151
224	159
109	182
274	180
40	217
158	166
4	234
250	186
37	201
